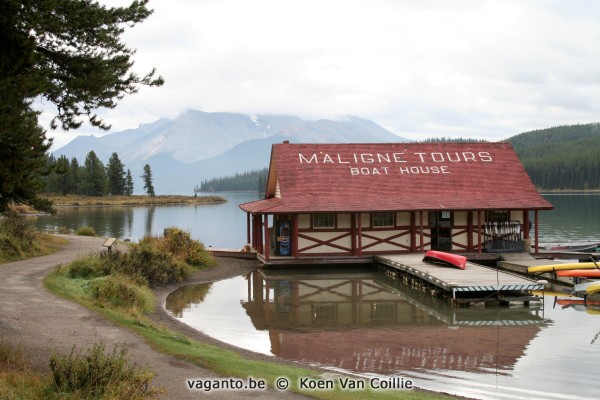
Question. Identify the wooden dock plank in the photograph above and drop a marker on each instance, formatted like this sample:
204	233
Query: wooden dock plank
473	278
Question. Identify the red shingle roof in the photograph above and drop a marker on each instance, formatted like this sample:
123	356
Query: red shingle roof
396	177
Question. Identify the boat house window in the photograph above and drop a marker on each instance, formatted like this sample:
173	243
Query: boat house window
383	219
323	220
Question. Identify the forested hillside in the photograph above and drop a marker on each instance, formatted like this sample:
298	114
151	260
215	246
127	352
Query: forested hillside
560	158
564	157
247	181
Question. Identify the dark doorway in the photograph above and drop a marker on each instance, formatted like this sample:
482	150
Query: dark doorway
283	238
440	223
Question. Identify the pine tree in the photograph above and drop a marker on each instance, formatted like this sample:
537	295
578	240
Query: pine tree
128	184
95	181
115	173
75	177
147	177
61	173
70	53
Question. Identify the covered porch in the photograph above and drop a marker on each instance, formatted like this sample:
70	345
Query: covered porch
293	238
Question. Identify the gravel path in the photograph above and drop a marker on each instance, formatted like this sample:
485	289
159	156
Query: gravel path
44	323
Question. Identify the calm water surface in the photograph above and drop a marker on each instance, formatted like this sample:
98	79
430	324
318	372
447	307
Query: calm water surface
217	225
368	325
576	217
363	323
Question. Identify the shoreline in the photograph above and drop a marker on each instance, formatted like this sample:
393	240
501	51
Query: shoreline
134	200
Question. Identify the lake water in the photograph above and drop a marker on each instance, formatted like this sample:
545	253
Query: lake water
367	325
363	323
216	225
576	217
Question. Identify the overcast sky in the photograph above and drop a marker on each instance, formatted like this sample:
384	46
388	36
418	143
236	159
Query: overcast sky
482	69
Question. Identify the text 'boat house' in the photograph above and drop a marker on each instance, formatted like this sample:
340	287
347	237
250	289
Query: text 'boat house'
347	202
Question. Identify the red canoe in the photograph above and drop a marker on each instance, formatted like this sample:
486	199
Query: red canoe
453	260
580	273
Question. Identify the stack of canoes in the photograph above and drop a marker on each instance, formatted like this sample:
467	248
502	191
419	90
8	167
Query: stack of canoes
589	270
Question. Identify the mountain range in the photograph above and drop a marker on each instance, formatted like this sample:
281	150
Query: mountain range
199	145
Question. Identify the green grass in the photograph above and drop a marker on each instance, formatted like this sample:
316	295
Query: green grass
222	361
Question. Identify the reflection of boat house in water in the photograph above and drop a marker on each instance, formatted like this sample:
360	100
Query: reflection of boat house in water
347	202
362	322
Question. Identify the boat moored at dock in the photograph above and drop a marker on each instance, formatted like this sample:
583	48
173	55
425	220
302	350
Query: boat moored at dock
441	257
562	267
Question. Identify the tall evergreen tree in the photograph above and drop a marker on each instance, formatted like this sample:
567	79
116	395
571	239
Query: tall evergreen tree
69	52
128	184
94	176
62	169
147	177
75	177
115	173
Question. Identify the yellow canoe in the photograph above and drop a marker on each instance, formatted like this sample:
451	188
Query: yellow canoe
595	288
562	267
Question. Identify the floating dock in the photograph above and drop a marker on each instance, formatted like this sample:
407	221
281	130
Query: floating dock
475	284
520	262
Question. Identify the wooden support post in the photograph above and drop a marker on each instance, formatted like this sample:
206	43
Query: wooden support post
421	231
353	234
470	230
359	234
248	238
295	239
413	232
267	238
526	224
536	232
479	231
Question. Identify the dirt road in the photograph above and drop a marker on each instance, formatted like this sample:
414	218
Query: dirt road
45	323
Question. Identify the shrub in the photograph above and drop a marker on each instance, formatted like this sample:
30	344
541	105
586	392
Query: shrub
180	244
97	374
15	225
17	239
122	292
85	231
87	267
197	255
63	230
154	265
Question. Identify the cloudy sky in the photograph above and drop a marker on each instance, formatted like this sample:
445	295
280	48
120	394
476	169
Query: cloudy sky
476	68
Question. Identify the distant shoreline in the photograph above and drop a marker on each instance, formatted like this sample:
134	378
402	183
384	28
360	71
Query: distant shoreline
134	200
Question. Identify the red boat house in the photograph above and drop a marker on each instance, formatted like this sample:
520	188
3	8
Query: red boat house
347	202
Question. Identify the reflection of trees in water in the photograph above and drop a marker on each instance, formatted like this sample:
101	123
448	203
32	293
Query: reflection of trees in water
129	221
113	221
149	220
185	296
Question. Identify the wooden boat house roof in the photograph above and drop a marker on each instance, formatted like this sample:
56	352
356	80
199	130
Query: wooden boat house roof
396	177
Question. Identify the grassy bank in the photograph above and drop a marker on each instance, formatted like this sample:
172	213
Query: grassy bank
83	201
18	241
108	285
